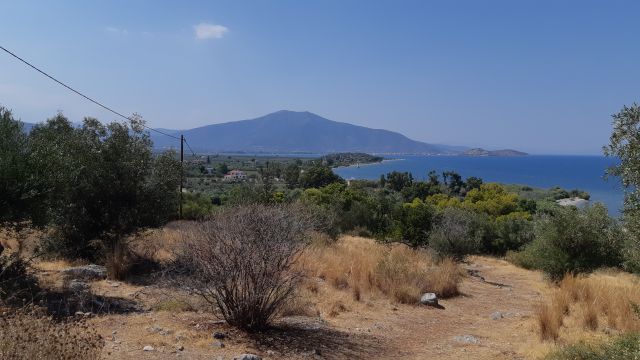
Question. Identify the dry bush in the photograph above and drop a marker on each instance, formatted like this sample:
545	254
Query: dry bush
240	261
26	334
366	267
586	302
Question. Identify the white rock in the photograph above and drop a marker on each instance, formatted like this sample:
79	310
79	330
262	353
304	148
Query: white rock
429	299
147	348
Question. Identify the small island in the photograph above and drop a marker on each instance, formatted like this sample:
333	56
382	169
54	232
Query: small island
483	152
349	158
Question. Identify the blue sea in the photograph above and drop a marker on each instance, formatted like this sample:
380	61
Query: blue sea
569	172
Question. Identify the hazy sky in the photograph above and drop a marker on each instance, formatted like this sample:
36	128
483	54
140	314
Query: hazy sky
539	76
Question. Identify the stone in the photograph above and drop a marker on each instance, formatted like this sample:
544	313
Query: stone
180	348
78	286
86	272
147	348
218	335
497	315
247	357
217	344
467	339
429	299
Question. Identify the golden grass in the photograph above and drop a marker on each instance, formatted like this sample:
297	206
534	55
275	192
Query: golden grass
366	268
581	305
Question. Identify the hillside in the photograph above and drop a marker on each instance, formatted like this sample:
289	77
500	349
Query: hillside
290	131
483	152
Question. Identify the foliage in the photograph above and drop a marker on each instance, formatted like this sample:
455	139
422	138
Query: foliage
398	180
102	182
416	221
348	158
511	232
17	285
318	176
459	232
625	145
240	261
573	241
623	347
491	199
20	200
196	206
291	175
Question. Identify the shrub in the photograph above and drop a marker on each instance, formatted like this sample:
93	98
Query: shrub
458	233
621	348
25	334
416	221
17	285
511	232
196	206
573	241
240	261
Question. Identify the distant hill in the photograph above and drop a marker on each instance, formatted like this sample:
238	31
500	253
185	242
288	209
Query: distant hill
483	152
290	131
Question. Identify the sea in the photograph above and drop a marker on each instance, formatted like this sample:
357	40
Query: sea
542	171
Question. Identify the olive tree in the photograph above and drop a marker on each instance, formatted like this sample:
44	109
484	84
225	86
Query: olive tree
103	183
625	146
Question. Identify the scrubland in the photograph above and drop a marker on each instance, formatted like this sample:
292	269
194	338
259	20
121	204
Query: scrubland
358	299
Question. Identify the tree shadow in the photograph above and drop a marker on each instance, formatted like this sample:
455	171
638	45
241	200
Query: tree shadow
68	303
317	341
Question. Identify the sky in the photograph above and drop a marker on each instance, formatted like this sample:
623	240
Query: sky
538	76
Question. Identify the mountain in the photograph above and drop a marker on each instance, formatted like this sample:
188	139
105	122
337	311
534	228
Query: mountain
483	152
289	131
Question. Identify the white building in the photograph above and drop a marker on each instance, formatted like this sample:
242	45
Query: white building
235	175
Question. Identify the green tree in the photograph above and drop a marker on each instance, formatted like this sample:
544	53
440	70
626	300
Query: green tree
223	168
291	175
416	221
318	176
624	144
18	198
397	181
573	241
103	183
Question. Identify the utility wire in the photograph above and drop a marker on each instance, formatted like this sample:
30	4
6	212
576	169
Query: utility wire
81	94
189	146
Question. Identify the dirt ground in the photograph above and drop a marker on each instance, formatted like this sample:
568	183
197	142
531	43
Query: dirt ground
492	319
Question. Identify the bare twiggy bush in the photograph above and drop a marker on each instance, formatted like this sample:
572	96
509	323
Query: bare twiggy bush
366	268
240	261
27	334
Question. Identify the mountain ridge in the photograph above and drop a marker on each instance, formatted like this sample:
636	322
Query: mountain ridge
287	131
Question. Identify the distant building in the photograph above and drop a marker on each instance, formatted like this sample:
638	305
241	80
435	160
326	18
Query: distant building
235	175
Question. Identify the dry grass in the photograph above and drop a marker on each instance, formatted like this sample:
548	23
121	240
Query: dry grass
28	335
581	305
366	268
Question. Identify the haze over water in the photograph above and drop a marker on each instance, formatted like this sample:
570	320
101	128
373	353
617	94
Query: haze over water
542	171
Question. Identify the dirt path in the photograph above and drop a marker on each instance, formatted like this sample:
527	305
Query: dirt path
488	321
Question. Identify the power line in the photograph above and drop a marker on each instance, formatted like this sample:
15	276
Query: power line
189	146
81	94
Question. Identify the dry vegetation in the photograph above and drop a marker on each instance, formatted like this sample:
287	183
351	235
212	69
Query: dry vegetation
581	305
367	269
351	284
26	334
